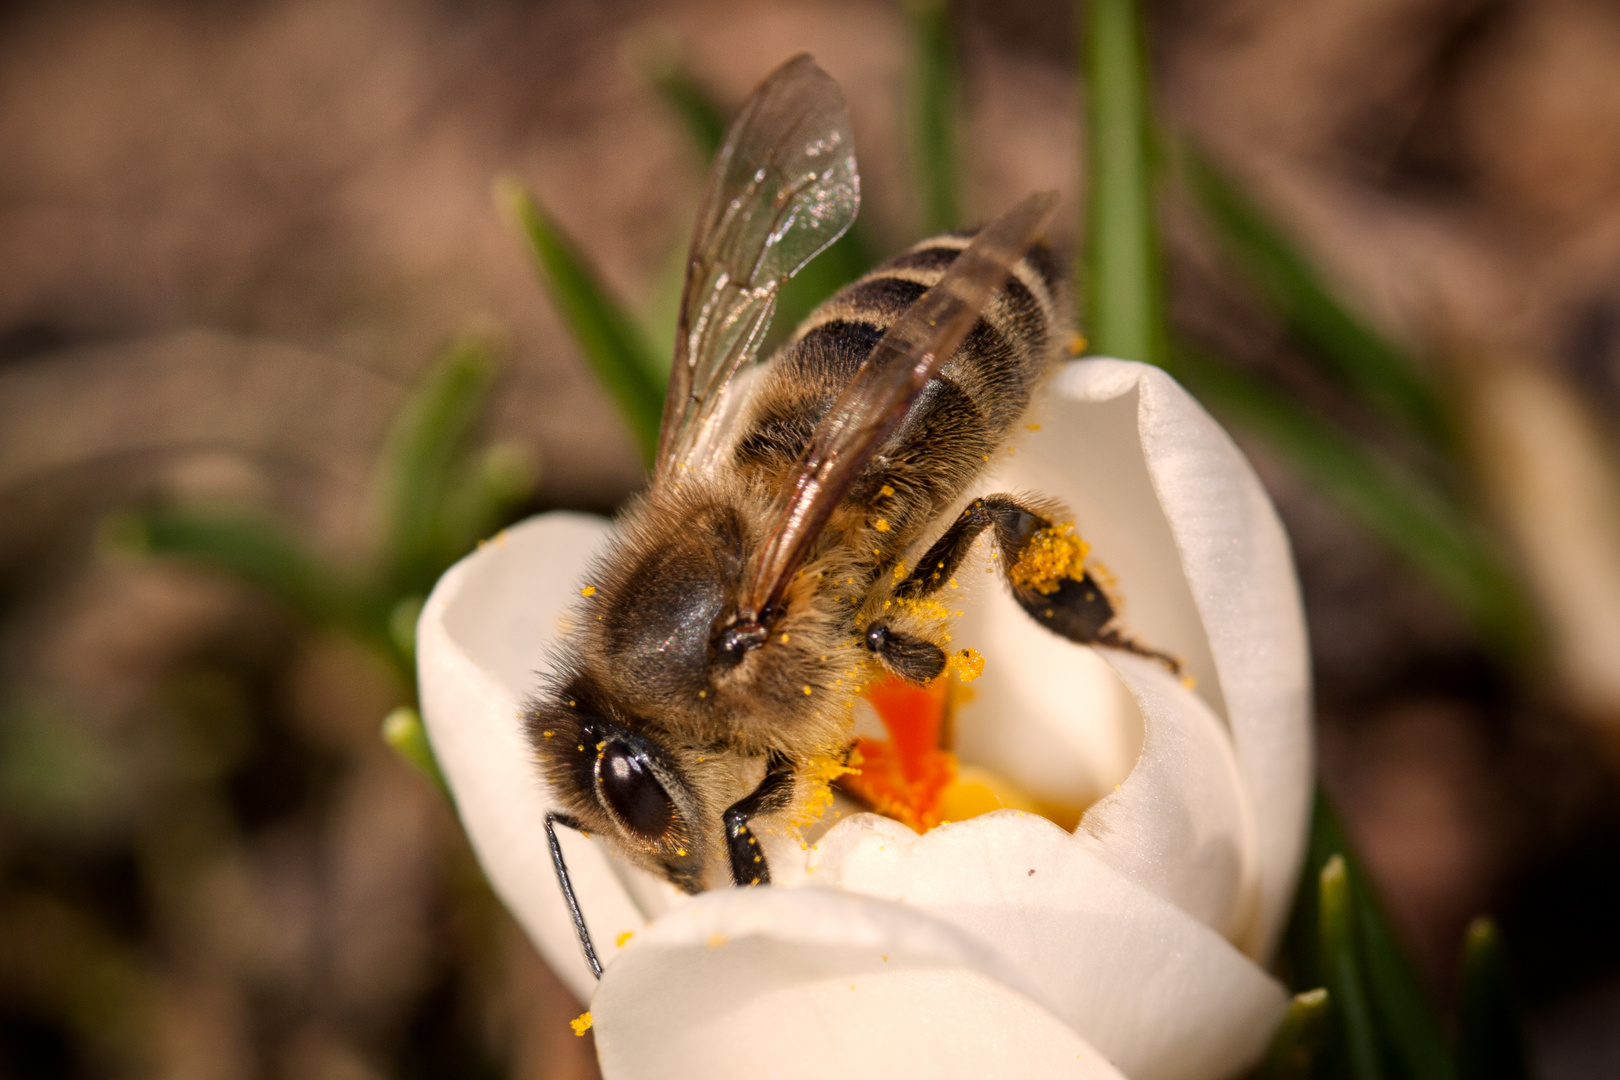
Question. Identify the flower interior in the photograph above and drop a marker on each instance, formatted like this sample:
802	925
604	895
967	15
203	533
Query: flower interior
912	776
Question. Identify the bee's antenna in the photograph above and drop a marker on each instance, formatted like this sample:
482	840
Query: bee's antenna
568	890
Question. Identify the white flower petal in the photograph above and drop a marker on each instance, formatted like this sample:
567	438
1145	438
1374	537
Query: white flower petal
1240	577
1160	994
1180	824
482	639
811	983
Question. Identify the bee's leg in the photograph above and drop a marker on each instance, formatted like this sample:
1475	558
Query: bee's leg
748	865
1076	608
552	820
914	659
1014	526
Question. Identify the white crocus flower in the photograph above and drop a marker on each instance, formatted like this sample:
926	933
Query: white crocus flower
1003	945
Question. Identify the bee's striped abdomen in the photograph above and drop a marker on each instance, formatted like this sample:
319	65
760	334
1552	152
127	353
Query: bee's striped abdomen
966	411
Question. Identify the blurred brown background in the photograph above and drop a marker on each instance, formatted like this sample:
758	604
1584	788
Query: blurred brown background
232	236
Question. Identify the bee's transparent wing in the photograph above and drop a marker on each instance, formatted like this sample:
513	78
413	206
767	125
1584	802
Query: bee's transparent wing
882	391
782	188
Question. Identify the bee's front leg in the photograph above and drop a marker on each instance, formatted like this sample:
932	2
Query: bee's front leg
748	865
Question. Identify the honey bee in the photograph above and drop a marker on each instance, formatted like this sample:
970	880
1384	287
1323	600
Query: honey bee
763	578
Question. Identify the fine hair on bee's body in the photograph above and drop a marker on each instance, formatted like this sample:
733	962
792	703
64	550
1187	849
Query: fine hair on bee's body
709	678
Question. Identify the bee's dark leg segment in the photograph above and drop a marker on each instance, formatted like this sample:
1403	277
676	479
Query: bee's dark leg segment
748	865
1077	608
1014	526
914	659
552	820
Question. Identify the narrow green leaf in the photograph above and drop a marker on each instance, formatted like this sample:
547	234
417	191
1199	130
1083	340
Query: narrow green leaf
486	492
1410	1033
934	111
417	461
402	620
1301	1037
1349	347
1341	964
402	729
1490	1035
705	121
248	546
1124	313
1429	530
606	334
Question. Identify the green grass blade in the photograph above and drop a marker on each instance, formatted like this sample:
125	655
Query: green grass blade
607	336
1124	299
1435	537
250	547
1341	965
1302	1036
1352	351
486	492
1408	1029
934	115
1490	1035
403	730
702	117
420	453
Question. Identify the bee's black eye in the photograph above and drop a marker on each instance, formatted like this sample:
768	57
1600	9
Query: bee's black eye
633	793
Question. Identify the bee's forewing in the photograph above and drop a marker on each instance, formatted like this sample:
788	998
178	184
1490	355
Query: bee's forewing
781	189
883	390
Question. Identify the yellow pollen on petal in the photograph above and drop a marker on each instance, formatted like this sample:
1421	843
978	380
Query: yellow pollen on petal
589	590
624	937
1032	427
716	940
581	1023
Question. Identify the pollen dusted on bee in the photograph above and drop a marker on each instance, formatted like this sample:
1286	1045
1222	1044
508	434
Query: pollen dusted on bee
882	524
589	590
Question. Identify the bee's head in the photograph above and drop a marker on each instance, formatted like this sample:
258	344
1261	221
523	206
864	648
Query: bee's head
620	781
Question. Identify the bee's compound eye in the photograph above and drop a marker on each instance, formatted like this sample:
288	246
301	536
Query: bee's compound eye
633	793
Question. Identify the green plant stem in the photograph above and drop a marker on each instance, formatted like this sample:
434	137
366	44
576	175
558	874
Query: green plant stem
934	109
1124	307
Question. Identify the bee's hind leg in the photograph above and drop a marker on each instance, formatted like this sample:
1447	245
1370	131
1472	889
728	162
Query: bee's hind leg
1076	608
748	865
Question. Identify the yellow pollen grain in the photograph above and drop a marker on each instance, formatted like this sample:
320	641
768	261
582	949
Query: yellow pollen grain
589	590
968	664
882	524
899	571
703	693
806	689
953	583
570	703
716	940
582	746
624	937
886	490
601	745
985	456
548	734
1032	427
680	852
784	639
581	1023
1077	344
